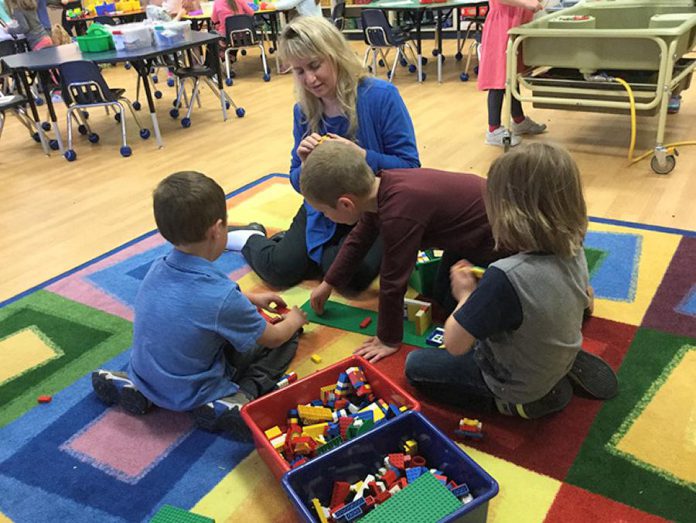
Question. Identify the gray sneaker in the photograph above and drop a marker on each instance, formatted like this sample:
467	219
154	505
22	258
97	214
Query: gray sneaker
594	376
496	137
114	388
528	126
556	400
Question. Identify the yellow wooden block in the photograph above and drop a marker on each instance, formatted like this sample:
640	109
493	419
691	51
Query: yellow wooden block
413	306
273	432
423	321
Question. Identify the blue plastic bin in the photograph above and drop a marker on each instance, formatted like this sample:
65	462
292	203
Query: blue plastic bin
364	455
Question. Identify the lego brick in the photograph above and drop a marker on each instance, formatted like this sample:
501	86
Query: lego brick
340	492
273	432
171	514
436	338
44	399
316	358
364	324
319	511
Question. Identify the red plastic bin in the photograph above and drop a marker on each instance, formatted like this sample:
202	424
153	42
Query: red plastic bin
272	409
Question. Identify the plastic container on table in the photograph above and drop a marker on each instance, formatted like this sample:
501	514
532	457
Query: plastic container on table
128	37
97	40
169	33
272	409
105	9
359	457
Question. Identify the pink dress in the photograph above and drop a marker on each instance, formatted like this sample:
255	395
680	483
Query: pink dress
500	19
221	10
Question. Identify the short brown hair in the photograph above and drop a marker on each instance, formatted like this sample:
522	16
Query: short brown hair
186	205
534	201
333	169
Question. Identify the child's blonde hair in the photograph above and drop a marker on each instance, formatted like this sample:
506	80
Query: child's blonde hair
25	5
332	170
313	37
534	201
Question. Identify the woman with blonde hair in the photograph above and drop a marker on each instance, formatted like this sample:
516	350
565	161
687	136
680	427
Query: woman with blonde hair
336	100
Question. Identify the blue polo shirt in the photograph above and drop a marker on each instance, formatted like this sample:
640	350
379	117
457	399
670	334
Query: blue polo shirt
186	311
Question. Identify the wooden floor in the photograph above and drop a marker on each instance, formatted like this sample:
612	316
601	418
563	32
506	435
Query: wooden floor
56	215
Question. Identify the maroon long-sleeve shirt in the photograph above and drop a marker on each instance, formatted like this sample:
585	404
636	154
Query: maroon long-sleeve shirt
416	209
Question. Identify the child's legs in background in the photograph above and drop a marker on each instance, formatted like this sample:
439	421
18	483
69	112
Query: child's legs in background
257	371
456	380
43	43
495	108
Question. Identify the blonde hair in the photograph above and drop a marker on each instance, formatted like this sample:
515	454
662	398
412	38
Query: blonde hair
335	169
25	5
313	37
534	201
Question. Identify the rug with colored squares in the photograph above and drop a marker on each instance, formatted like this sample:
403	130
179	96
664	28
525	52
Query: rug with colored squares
73	459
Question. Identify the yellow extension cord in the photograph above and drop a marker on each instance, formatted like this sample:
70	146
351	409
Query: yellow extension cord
631	149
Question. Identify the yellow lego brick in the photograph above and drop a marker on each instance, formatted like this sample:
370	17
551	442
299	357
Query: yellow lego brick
279	442
273	432
316	358
319	510
314	431
377	413
411	447
403	408
314	414
423	321
478	272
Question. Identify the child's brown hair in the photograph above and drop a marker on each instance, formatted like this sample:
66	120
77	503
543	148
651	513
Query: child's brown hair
186	205
535	202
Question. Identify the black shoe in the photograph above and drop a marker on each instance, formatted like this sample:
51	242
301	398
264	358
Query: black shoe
556	400
278	237
253	226
594	376
224	415
113	389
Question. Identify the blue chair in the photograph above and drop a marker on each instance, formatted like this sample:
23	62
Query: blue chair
338	15
380	35
84	87
240	33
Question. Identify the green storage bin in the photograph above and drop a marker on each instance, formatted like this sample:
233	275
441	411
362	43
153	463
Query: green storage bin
422	278
97	40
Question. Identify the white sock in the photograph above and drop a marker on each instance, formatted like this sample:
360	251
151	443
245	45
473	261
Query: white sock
236	240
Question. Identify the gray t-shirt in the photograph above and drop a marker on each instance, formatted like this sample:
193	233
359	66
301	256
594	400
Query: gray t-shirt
527	316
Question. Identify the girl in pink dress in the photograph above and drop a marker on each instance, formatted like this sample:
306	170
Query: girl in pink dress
502	16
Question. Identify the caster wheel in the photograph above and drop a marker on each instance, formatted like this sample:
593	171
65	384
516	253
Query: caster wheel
227	105
424	60
233	74
126	151
435	52
240	112
174	113
412	68
70	155
186	123
403	62
244	53
170	82
458	57
117	117
175	103
93	138
423	77
144	133
464	77
389	75
476	70
82	129
158	94
36	137
271	50
266	77
85	115
670	163
136	106
46	126
38	101
53	144
381	63
155	79
127	65
228	81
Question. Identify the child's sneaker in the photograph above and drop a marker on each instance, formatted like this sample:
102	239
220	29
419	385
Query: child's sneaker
556	400
594	376
496	137
528	126
224	415
114	388
674	104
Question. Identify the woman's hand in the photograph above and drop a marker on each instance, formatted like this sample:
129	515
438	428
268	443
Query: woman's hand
337	138
308	145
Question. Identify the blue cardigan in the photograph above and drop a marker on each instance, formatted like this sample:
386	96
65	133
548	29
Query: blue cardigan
385	131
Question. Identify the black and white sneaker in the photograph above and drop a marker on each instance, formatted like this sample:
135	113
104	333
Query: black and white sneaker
594	376
556	400
114	388
224	415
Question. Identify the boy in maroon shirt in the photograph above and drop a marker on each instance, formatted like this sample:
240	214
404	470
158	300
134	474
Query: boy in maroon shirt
411	209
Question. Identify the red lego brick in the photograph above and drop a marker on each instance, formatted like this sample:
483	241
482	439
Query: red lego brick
340	492
382	496
364	324
390	477
397	460
44	399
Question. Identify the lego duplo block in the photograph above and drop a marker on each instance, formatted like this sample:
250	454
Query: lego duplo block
423	320
314	414
426	499
436	338
273	432
316	430
171	514
377	412
327	394
319	510
366	322
316	358
340	492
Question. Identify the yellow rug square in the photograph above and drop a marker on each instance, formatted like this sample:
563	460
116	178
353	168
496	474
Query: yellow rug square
23	351
274	207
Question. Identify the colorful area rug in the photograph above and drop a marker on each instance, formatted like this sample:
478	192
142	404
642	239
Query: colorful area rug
629	459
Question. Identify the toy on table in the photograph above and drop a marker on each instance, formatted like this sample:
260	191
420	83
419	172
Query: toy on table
470	428
404	484
343	411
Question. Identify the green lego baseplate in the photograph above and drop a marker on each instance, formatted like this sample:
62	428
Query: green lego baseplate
426	500
171	514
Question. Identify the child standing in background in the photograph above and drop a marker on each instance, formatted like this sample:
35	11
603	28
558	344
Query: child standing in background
224	8
514	344
25	20
503	15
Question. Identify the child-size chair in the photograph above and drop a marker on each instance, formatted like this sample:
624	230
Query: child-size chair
338	15
240	33
380	35
84	87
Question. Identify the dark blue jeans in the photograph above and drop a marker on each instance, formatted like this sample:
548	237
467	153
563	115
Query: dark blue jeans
456	380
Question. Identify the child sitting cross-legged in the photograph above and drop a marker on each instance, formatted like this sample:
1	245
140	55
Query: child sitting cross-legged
514	343
199	343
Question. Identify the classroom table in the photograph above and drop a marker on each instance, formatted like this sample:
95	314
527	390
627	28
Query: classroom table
141	59
418	10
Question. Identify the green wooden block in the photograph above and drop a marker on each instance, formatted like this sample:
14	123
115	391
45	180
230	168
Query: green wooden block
426	500
348	318
170	514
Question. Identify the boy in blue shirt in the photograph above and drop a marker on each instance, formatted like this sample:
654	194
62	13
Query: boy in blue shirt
199	343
